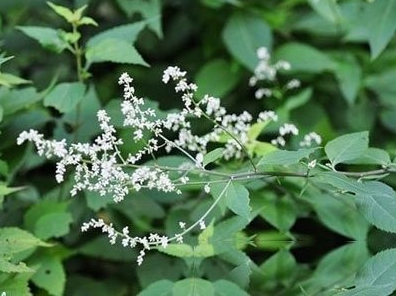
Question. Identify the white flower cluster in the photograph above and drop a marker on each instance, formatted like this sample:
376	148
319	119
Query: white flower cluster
310	138
127	241
266	71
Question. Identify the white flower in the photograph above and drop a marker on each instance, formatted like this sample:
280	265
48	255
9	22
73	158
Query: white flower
312	164
182	225
207	188
202	225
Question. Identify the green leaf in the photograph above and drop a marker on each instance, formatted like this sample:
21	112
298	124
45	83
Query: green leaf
193	287
178	250
373	156
340	214
127	33
237	200
100	248
349	75
261	148
379	290
149	9
50	274
10	80
95	201
15	100
377	276
327	9
304	58
255	130
87	21
65	96
9	267
298	100
48	219
285	157
212	156
216	70
114	50
47	37
15	240
278	211
64	12
278	267
381	26
377	203
5	190
337	268
17	285
243	34
227	288
160	288
272	240
347	147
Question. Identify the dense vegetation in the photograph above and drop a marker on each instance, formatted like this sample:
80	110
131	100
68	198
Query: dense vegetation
264	208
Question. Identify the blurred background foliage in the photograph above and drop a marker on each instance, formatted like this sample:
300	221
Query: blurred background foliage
344	54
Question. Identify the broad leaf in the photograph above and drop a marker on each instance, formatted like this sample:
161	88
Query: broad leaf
114	50
219	71
349	75
243	34
304	58
285	157
65	96
347	147
9	267
15	240
48	219
193	287
237	200
47	37
373	156
50	274
160	288
227	288
327	9
16	100
378	205
382	25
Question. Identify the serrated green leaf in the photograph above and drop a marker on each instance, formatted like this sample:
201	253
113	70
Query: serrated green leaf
15	240
47	37
212	156
65	96
149	9
216	70
347	147
377	203
243	34
9	267
379	270
304	58
50	274
193	287
237	200
87	21
17	285
127	33
64	12
285	157
280	266
114	50
48	219
15	100
160	288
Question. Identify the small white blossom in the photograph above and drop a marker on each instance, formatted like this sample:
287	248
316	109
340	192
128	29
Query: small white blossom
182	225
312	164
202	225
207	188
